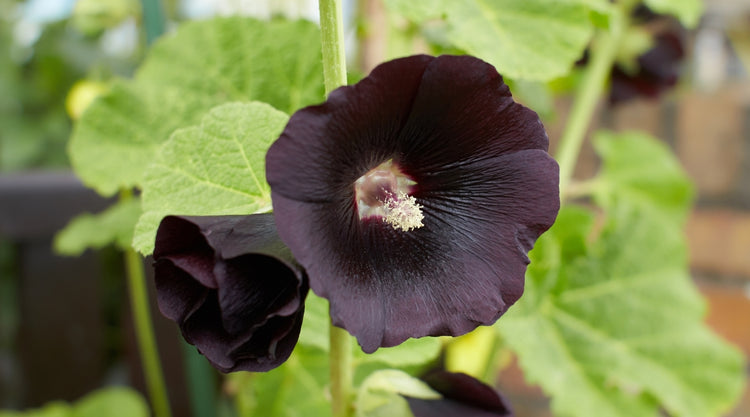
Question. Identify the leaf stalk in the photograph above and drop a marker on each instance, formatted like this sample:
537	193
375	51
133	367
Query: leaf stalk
334	76
604	50
144	330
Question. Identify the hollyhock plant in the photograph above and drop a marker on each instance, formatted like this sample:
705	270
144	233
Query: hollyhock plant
232	287
463	396
413	197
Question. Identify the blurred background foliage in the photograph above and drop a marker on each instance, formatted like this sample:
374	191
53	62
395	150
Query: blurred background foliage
45	53
59	54
56	55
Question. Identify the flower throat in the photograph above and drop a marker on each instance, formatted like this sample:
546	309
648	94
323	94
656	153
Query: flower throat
384	192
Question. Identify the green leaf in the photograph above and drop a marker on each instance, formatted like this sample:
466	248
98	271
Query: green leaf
598	5
234	59
199	66
601	12
114	225
418	11
212	169
535	95
53	409
531	39
381	394
112	402
105	402
636	41
565	241
525	40
298	388
116	137
615	327
640	170
688	11
472	353
315	324
399	382
412	352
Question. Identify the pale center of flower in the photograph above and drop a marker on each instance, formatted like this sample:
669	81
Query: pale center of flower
384	192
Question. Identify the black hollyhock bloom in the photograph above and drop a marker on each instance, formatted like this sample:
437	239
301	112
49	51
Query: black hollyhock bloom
658	71
463	396
413	197
232	287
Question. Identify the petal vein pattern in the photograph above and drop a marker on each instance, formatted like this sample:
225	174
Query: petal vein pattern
471	169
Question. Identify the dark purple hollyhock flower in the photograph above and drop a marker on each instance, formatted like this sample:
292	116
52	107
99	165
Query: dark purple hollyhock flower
658	71
413	197
232	287
463	396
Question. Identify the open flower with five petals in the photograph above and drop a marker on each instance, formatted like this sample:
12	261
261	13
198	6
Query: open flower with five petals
413	197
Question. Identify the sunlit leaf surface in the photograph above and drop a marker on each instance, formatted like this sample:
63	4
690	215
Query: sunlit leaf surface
688	11
642	171
114	225
199	66
615	327
215	168
531	39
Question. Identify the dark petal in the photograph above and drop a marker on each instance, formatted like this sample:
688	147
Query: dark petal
250	286
423	112
247	316
463	396
447	408
463	269
178	235
659	69
642	14
255	350
487	186
625	87
178	294
204	330
663	60
325	148
462	111
185	253
233	236
220	236
465	389
181	241
280	335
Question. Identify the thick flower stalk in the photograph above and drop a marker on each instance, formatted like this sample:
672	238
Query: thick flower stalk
232	287
413	197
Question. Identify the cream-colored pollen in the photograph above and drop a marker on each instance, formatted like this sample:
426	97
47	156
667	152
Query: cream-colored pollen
403	212
384	193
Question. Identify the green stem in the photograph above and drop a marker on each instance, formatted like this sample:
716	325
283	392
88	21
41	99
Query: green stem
341	372
332	38
153	19
584	188
200	381
144	330
334	76
603	53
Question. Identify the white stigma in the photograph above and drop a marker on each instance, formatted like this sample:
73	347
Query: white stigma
384	192
403	212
